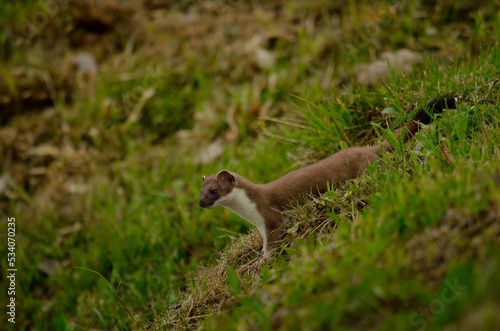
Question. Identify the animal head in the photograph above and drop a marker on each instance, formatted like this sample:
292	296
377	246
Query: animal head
216	189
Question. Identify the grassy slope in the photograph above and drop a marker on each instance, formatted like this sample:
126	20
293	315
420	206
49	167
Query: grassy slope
123	206
390	263
381	251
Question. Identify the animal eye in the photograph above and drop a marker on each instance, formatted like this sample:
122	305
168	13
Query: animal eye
214	192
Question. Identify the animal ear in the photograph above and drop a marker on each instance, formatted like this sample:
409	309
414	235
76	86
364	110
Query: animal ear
225	176
204	178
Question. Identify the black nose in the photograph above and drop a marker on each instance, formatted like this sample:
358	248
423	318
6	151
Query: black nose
202	204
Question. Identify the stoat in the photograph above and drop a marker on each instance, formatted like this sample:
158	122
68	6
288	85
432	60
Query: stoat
263	204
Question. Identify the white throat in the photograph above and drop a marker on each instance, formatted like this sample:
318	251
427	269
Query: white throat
238	202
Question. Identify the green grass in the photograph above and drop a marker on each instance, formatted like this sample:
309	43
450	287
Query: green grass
368	275
120	196
381	251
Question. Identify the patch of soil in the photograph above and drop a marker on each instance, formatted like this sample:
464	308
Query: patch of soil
460	236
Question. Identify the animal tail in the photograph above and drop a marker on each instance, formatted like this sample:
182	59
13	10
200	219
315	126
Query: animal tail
423	116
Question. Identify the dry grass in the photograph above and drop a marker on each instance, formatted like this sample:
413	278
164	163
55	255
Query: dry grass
208	294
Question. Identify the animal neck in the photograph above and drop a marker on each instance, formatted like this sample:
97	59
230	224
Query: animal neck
239	202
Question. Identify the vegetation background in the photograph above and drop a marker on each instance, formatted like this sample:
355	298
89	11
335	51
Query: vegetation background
111	111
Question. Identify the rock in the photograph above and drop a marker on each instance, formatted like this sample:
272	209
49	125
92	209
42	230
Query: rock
49	266
402	60
210	153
